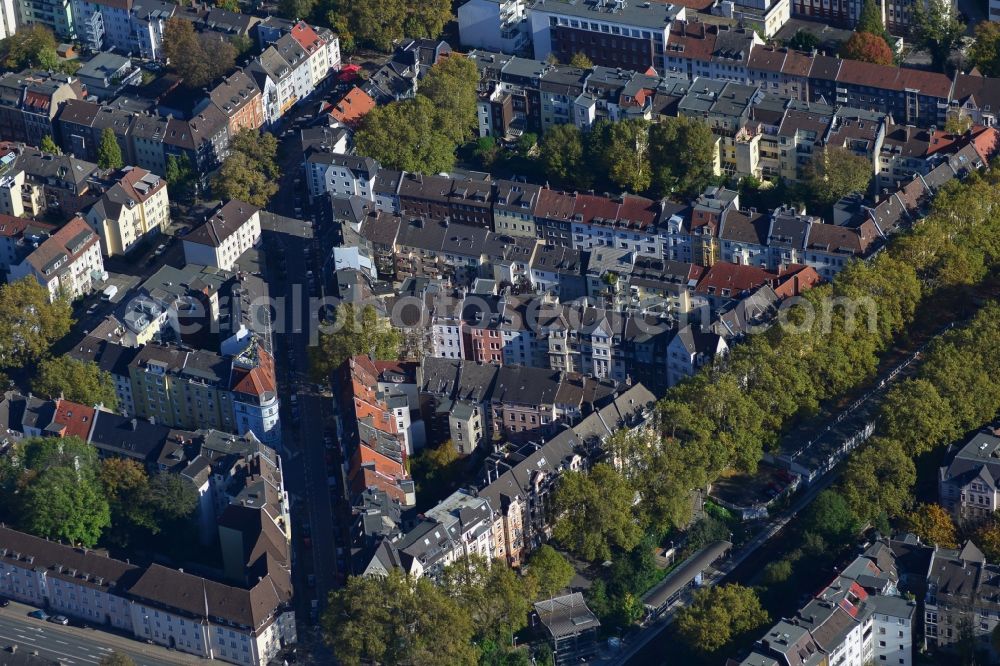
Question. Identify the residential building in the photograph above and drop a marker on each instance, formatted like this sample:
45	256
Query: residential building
134	209
240	100
30	100
106	74
495	25
612	33
8	18
689	350
231	230
56	15
967	484
962	591
18	238
164	606
67	263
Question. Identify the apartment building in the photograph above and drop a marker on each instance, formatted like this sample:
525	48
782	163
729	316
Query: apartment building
719	52
860	618
496	25
612	33
967	483
8	18
30	100
164	606
68	263
18	238
135	208
962	591
56	15
231	230
240	100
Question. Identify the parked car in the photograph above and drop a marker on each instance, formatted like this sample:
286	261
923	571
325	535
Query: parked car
160	249
4	602
58	619
39	615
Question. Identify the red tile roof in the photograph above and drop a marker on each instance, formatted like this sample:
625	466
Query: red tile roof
75	418
353	107
305	36
734	277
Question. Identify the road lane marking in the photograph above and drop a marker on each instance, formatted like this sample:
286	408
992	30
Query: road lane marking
41	648
59	641
23	637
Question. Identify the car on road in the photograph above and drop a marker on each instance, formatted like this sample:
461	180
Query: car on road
39	615
160	249
58	619
4	602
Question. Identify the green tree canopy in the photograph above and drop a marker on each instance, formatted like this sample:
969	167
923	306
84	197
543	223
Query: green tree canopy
356	333
198	59
833	173
985	50
870	20
594	513
803	40
78	381
497	598
180	177
173	496
915	415
49	146
398	620
879	477
452	86
116	659
30	46
627	155
683	155
562	155
407	135
250	171
29	323
552	571
831	516
62	503
718	614
937	29
109	153
933	525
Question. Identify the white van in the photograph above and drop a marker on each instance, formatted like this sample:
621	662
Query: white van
109	293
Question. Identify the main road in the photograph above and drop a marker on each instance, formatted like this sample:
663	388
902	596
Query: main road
76	645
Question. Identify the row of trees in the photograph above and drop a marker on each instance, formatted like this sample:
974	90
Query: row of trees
469	617
58	488
375	23
421	134
672	157
250	172
829	343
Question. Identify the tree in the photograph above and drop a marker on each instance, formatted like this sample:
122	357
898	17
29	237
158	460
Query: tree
407	135
879	477
987	537
62	503
229	5
870	20
29	323
31	46
486	150
116	659
396	619
198	59
526	144
915	415
867	47
984	53
833	173
297	9
126	486
109	153
561	153
77	381
436	469
937	29
831	517
706	530
778	572
368	333
172	496
452	87
552	571
250	172
803	40
497	599
718	614
581	61
683	152
49	146
594	513
627	155
933	525
180	177
957	122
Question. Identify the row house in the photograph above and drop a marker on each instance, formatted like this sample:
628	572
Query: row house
962	595
146	141
30	100
135	208
376	439
861	617
240	100
197	389
167	607
68	263
721	52
34	182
